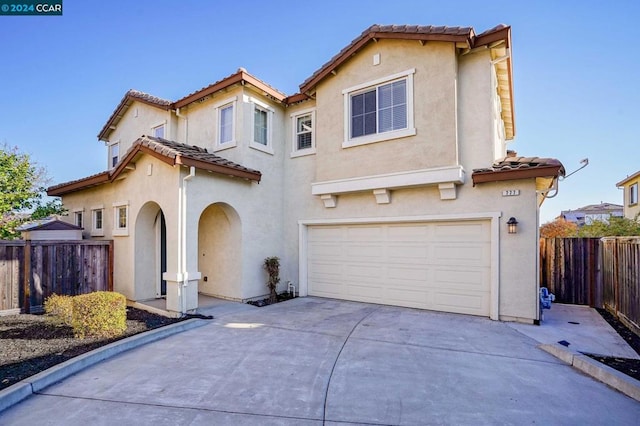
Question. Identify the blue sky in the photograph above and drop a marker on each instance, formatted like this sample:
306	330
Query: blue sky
575	63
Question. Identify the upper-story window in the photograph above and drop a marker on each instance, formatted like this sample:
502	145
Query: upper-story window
262	126
158	131
303	124
114	154
379	110
633	194
225	112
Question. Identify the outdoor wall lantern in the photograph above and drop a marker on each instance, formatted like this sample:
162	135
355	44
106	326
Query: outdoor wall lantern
512	225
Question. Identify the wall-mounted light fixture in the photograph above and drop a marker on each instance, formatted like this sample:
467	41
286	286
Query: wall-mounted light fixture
512	225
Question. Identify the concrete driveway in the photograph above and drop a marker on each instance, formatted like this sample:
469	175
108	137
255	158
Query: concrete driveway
318	361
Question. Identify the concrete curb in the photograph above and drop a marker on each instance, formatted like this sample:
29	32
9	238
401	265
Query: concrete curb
21	390
607	375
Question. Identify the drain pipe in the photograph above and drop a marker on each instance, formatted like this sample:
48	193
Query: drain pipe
186	125
182	245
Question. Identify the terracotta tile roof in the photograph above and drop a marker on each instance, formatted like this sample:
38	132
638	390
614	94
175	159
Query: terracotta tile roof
511	168
172	153
125	103
239	76
410	32
189	155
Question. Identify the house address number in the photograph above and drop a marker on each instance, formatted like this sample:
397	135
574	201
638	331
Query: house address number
511	193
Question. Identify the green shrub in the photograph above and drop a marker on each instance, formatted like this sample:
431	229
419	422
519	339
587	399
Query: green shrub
99	314
59	308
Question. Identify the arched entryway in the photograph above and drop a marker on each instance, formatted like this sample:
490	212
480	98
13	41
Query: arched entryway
150	252
219	252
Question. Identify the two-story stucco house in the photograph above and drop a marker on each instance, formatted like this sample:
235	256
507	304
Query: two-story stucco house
385	179
630	187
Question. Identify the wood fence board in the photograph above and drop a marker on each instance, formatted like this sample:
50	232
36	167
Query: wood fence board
61	267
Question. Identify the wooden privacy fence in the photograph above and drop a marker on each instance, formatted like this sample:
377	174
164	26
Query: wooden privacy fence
30	271
621	278
602	273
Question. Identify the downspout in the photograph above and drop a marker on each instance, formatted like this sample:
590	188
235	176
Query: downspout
182	235
186	125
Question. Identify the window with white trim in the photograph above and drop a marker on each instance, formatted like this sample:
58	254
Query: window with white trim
633	194
303	124
226	123
114	154
262	126
120	219
97	221
379	110
158	131
78	216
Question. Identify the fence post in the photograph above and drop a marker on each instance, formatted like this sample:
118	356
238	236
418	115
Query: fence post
26	284
111	261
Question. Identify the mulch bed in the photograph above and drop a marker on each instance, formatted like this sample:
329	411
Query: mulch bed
30	343
264	302
630	367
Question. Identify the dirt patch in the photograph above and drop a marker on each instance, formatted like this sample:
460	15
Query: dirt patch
264	302
30	344
630	367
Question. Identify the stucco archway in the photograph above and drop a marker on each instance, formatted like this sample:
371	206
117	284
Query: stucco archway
150	252
219	252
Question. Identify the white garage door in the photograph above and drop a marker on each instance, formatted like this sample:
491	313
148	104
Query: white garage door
442	266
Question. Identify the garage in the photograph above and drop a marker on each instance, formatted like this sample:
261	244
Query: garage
441	266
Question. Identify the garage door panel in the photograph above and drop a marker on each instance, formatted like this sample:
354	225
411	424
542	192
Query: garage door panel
408	253
462	303
442	266
373	252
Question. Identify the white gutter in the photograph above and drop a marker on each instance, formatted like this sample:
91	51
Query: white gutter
182	238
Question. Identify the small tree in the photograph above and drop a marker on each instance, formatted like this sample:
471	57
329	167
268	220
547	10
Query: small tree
615	227
558	228
21	191
272	265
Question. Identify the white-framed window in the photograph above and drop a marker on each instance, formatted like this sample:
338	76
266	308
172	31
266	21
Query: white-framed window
262	128
379	110
114	154
303	125
158	131
226	124
260	125
78	217
97	221
121	218
633	194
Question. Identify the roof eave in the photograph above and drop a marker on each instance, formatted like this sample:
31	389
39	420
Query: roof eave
124	104
630	178
516	174
65	188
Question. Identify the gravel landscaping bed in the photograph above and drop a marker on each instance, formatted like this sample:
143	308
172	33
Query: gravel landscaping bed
30	344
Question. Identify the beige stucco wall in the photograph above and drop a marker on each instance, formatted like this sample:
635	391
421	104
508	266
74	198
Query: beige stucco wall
138	120
137	189
434	94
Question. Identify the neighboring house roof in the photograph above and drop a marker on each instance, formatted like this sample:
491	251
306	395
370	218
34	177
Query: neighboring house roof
170	152
628	178
125	103
598	208
510	168
48	224
463	37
